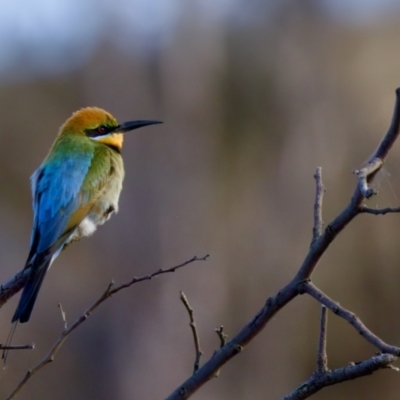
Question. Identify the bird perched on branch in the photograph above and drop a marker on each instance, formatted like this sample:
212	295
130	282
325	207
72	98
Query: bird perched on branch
76	188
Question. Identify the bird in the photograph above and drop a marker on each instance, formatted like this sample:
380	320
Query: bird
74	190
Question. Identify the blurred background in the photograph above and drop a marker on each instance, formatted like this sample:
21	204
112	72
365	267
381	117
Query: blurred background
254	96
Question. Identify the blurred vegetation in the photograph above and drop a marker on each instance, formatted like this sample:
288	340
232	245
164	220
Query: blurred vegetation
251	107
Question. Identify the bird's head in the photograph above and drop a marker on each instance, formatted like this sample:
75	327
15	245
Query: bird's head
101	126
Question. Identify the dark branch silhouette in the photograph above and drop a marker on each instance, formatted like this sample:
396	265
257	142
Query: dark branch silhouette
298	285
379	211
66	332
13	286
351	318
319	196
322	360
352	371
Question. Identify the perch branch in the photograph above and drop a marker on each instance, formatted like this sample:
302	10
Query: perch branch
68	330
13	285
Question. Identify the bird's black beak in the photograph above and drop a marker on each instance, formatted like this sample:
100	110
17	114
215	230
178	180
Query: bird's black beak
131	125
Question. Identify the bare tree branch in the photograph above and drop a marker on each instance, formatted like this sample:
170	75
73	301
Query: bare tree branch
63	316
222	341
351	318
319	195
354	370
322	360
365	175
296	286
379	211
13	285
192	324
106	295
323	377
29	346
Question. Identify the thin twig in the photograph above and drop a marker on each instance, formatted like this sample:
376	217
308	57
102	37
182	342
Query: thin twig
29	346
63	316
319	195
222	341
322	360
352	371
106	295
192	324
157	273
222	335
379	211
351	318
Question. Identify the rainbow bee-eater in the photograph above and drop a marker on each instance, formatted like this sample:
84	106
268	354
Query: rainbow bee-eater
74	190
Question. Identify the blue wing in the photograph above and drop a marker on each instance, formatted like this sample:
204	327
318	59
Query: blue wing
55	188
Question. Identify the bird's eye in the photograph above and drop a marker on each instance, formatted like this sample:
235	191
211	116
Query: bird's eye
101	129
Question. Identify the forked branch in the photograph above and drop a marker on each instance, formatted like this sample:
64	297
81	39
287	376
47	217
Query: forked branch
320	243
66	332
352	371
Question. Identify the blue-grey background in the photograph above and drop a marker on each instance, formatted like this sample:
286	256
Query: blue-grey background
254	95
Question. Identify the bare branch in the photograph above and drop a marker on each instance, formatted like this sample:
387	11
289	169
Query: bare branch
13	285
192	324
67	331
351	318
319	195
222	339
222	336
296	286
376	161
322	360
63	316
236	344
354	370
157	273
388	140
365	175
29	346
379	211
17	282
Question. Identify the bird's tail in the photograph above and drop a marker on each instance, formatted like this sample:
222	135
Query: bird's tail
39	267
31	290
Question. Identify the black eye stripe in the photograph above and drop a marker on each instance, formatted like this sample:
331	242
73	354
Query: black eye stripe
101	130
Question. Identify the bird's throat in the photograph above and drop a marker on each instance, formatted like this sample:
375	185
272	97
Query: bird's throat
115	140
